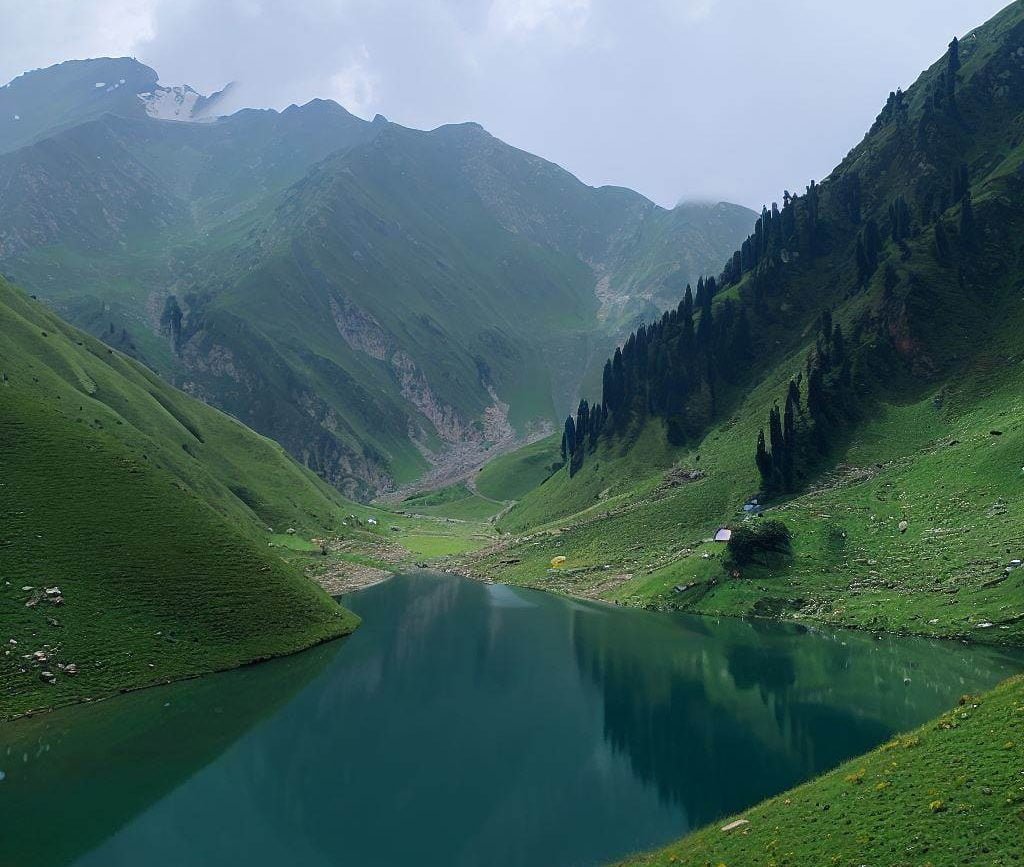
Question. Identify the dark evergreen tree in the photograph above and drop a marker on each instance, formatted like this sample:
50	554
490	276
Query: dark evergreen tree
941	242
764	461
967	226
569	436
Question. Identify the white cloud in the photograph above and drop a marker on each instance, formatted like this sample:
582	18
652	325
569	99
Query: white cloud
564	19
355	84
698	10
45	32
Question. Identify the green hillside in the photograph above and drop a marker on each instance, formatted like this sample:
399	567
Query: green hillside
949	793
512	476
134	543
894	454
374	298
923	431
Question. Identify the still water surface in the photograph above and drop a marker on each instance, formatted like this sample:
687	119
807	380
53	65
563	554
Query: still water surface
467	724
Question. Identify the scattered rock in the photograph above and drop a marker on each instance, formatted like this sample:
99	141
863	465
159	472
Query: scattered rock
903	526
48	677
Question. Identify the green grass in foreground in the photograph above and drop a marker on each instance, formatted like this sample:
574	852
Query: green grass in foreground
947	795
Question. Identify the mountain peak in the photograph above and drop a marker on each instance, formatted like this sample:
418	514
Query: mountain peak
43	101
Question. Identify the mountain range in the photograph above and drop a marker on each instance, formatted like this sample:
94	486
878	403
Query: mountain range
383	301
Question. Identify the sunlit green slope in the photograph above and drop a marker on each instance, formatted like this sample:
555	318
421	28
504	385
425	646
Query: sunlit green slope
935	439
134	520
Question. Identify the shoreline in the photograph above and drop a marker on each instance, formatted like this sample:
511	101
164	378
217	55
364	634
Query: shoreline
963	638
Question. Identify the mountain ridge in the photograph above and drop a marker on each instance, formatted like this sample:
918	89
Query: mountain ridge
253	233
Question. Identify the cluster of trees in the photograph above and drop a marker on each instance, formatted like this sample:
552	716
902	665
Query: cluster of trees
171	320
778	235
680	367
869	244
759	542
895	110
966	228
670	369
581	433
802	433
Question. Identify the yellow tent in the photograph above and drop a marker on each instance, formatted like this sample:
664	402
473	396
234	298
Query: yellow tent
557	561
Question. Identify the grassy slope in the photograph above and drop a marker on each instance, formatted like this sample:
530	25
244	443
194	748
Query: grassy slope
943	451
146	509
960	381
852	565
951	793
513	475
455	501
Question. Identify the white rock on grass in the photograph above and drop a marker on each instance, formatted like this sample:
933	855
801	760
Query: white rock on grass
735	826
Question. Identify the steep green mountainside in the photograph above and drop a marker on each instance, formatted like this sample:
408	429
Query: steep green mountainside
914	419
375	298
133	548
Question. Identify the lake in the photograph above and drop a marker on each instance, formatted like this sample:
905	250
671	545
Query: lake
467	724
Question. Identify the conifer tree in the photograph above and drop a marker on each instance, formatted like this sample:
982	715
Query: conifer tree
789	441
941	242
764	461
569	435
967	227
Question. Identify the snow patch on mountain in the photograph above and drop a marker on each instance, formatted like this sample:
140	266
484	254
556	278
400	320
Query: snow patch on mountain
171	103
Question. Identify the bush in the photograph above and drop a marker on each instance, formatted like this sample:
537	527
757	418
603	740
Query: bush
760	542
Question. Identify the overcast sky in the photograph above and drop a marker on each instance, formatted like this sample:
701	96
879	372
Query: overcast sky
679	99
